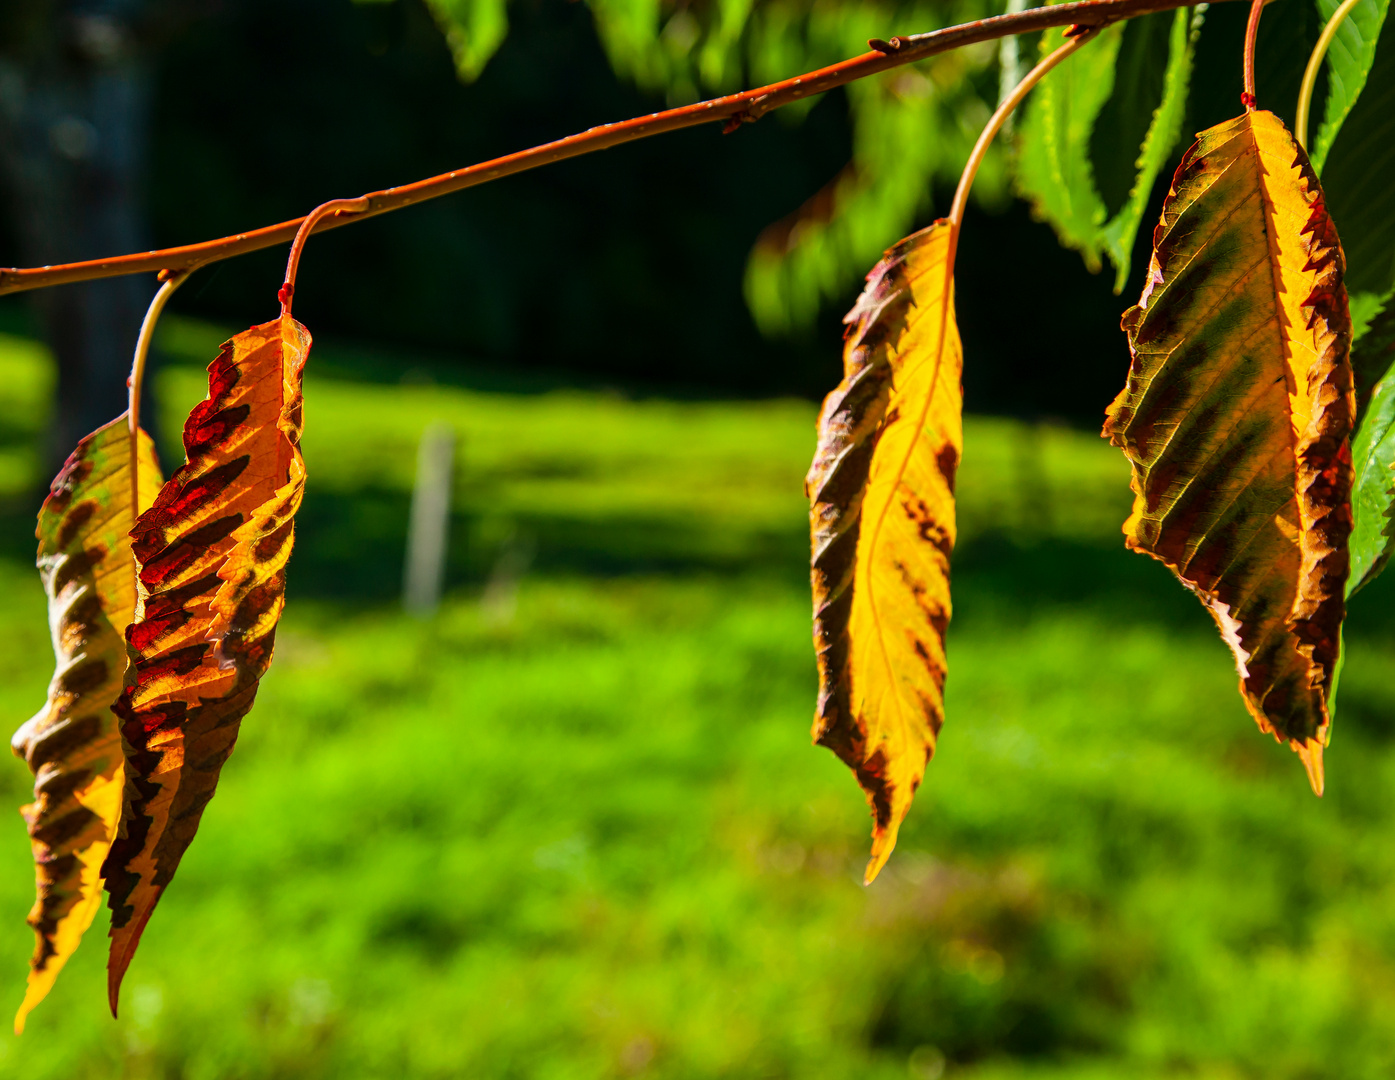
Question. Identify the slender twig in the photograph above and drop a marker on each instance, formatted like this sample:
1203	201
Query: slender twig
734	109
1247	97
1305	92
169	282
990	132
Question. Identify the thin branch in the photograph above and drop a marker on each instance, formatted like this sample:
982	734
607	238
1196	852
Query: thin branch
734	109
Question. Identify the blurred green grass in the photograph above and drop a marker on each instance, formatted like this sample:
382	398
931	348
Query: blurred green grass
573	828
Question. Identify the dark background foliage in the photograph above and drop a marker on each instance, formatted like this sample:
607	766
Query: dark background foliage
624	268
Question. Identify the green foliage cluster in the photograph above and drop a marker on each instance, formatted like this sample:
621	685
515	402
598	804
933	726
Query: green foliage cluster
574	829
1078	191
1129	89
1097	137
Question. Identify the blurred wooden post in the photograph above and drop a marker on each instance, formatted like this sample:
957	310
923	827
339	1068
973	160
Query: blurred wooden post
429	527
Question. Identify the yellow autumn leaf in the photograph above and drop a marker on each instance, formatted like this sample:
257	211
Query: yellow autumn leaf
882	525
73	744
1237	414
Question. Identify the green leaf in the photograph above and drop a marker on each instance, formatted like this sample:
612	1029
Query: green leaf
911	127
1054	171
1373	455
1076	159
1373	344
1140	73
474	30
1356	177
1365	306
1163	132
1349	60
1373	450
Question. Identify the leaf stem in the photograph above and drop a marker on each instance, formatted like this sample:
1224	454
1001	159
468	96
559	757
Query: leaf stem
169	281
1247	97
1078	36
334	207
999	117
1305	92
744	107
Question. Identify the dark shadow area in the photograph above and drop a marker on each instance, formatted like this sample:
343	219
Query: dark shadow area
996	576
1041	333
627	263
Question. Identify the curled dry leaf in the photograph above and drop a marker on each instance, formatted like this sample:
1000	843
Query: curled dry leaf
882	525
1237	413
73	744
211	553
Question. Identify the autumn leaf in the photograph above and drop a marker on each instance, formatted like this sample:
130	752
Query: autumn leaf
1237	412
882	525
211	553
73	744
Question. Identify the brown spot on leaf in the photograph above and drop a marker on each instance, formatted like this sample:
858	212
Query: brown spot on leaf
74	522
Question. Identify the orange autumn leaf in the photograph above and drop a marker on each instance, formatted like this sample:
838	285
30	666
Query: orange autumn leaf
882	524
73	744
1237	414
211	553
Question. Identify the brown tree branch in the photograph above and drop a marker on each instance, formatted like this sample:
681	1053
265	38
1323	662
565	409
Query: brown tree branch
734	109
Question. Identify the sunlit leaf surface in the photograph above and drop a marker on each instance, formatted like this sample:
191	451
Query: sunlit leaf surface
882	525
211	552
1237	412
73	744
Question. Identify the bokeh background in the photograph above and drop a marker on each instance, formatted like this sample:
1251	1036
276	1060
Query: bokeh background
572	826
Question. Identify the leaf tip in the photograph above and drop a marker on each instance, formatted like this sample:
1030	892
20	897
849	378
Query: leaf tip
117	963
883	841
1311	754
40	982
